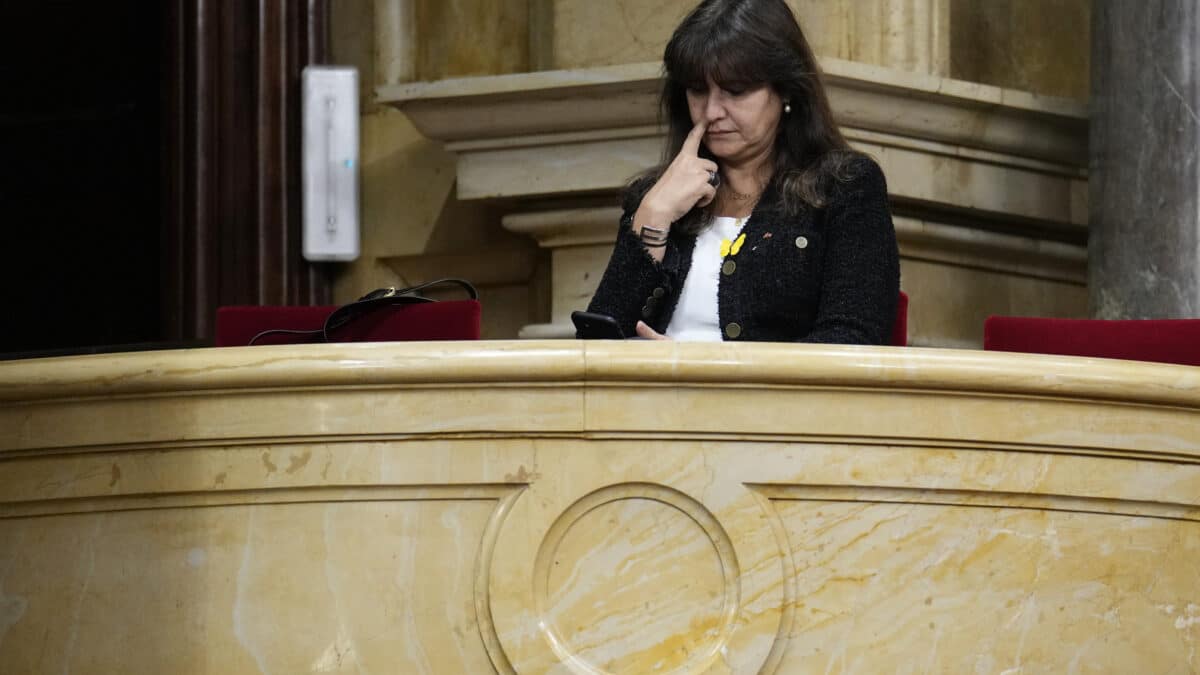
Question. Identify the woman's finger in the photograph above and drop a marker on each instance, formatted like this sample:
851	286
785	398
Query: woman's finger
709	193
691	145
649	333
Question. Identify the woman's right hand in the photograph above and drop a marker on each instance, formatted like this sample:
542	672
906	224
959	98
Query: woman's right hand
683	186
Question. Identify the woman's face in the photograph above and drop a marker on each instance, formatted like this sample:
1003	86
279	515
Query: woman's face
741	123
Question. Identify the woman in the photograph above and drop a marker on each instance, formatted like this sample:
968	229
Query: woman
762	224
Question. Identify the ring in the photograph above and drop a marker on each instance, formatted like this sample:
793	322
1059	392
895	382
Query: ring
714	178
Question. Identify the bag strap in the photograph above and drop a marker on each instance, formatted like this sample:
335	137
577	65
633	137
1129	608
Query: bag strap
376	298
387	296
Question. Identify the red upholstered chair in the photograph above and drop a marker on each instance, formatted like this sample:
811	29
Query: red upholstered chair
900	328
1164	341
446	320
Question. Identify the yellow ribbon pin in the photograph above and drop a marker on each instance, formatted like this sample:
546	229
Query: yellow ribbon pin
737	245
727	248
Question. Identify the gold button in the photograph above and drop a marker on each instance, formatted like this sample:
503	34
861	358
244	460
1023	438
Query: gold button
801	242
659	292
732	331
728	268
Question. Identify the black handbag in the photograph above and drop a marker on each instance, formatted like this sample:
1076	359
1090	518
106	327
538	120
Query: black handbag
382	297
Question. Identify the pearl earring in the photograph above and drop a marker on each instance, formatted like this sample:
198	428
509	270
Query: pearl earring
787	108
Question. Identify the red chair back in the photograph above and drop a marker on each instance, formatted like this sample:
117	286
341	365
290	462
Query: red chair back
1163	341
899	336
445	320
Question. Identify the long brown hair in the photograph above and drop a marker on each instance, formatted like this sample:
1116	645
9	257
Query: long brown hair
741	44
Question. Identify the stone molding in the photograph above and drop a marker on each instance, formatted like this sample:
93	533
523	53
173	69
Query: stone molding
567	227
945	144
863	96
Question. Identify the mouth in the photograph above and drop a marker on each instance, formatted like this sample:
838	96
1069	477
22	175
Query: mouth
718	133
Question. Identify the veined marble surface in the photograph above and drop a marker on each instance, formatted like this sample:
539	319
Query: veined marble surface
562	507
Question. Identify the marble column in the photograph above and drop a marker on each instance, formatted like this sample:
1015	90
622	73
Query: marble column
912	35
395	41
1145	176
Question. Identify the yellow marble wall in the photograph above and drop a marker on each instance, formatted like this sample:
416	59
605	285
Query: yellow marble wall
896	33
192	589
456	38
608	32
892	33
1025	574
1042	46
1009	43
946	299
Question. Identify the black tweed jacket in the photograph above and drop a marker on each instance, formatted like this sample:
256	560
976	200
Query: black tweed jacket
830	275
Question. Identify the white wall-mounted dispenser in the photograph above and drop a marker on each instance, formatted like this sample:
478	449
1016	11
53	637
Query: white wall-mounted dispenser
330	157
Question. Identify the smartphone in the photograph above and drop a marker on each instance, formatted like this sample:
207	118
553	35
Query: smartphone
596	326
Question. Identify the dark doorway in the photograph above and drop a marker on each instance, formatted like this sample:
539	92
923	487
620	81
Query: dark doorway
80	187
150	168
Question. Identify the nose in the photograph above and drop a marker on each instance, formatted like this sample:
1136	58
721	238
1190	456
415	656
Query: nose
714	107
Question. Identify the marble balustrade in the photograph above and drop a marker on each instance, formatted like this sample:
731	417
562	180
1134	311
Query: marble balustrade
556	506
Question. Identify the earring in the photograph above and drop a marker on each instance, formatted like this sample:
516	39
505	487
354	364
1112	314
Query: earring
787	108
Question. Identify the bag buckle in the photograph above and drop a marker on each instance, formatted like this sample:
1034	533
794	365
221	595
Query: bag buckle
380	293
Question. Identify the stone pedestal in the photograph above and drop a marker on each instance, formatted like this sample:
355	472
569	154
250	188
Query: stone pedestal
1145	135
580	242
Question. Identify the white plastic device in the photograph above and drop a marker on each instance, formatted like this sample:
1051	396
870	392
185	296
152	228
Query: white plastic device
330	121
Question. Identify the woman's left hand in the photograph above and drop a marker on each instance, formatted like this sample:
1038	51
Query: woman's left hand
649	333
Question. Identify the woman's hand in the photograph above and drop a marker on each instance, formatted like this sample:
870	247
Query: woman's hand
683	186
649	333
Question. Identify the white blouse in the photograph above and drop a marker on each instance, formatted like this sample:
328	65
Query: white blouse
695	317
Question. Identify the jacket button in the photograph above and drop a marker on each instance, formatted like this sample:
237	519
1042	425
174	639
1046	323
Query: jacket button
728	268
647	312
801	242
652	302
732	331
659	292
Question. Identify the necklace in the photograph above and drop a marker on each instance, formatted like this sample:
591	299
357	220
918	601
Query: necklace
741	203
742	196
736	196
744	201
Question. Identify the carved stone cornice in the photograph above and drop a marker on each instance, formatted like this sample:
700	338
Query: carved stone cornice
528	104
863	96
567	227
943	143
